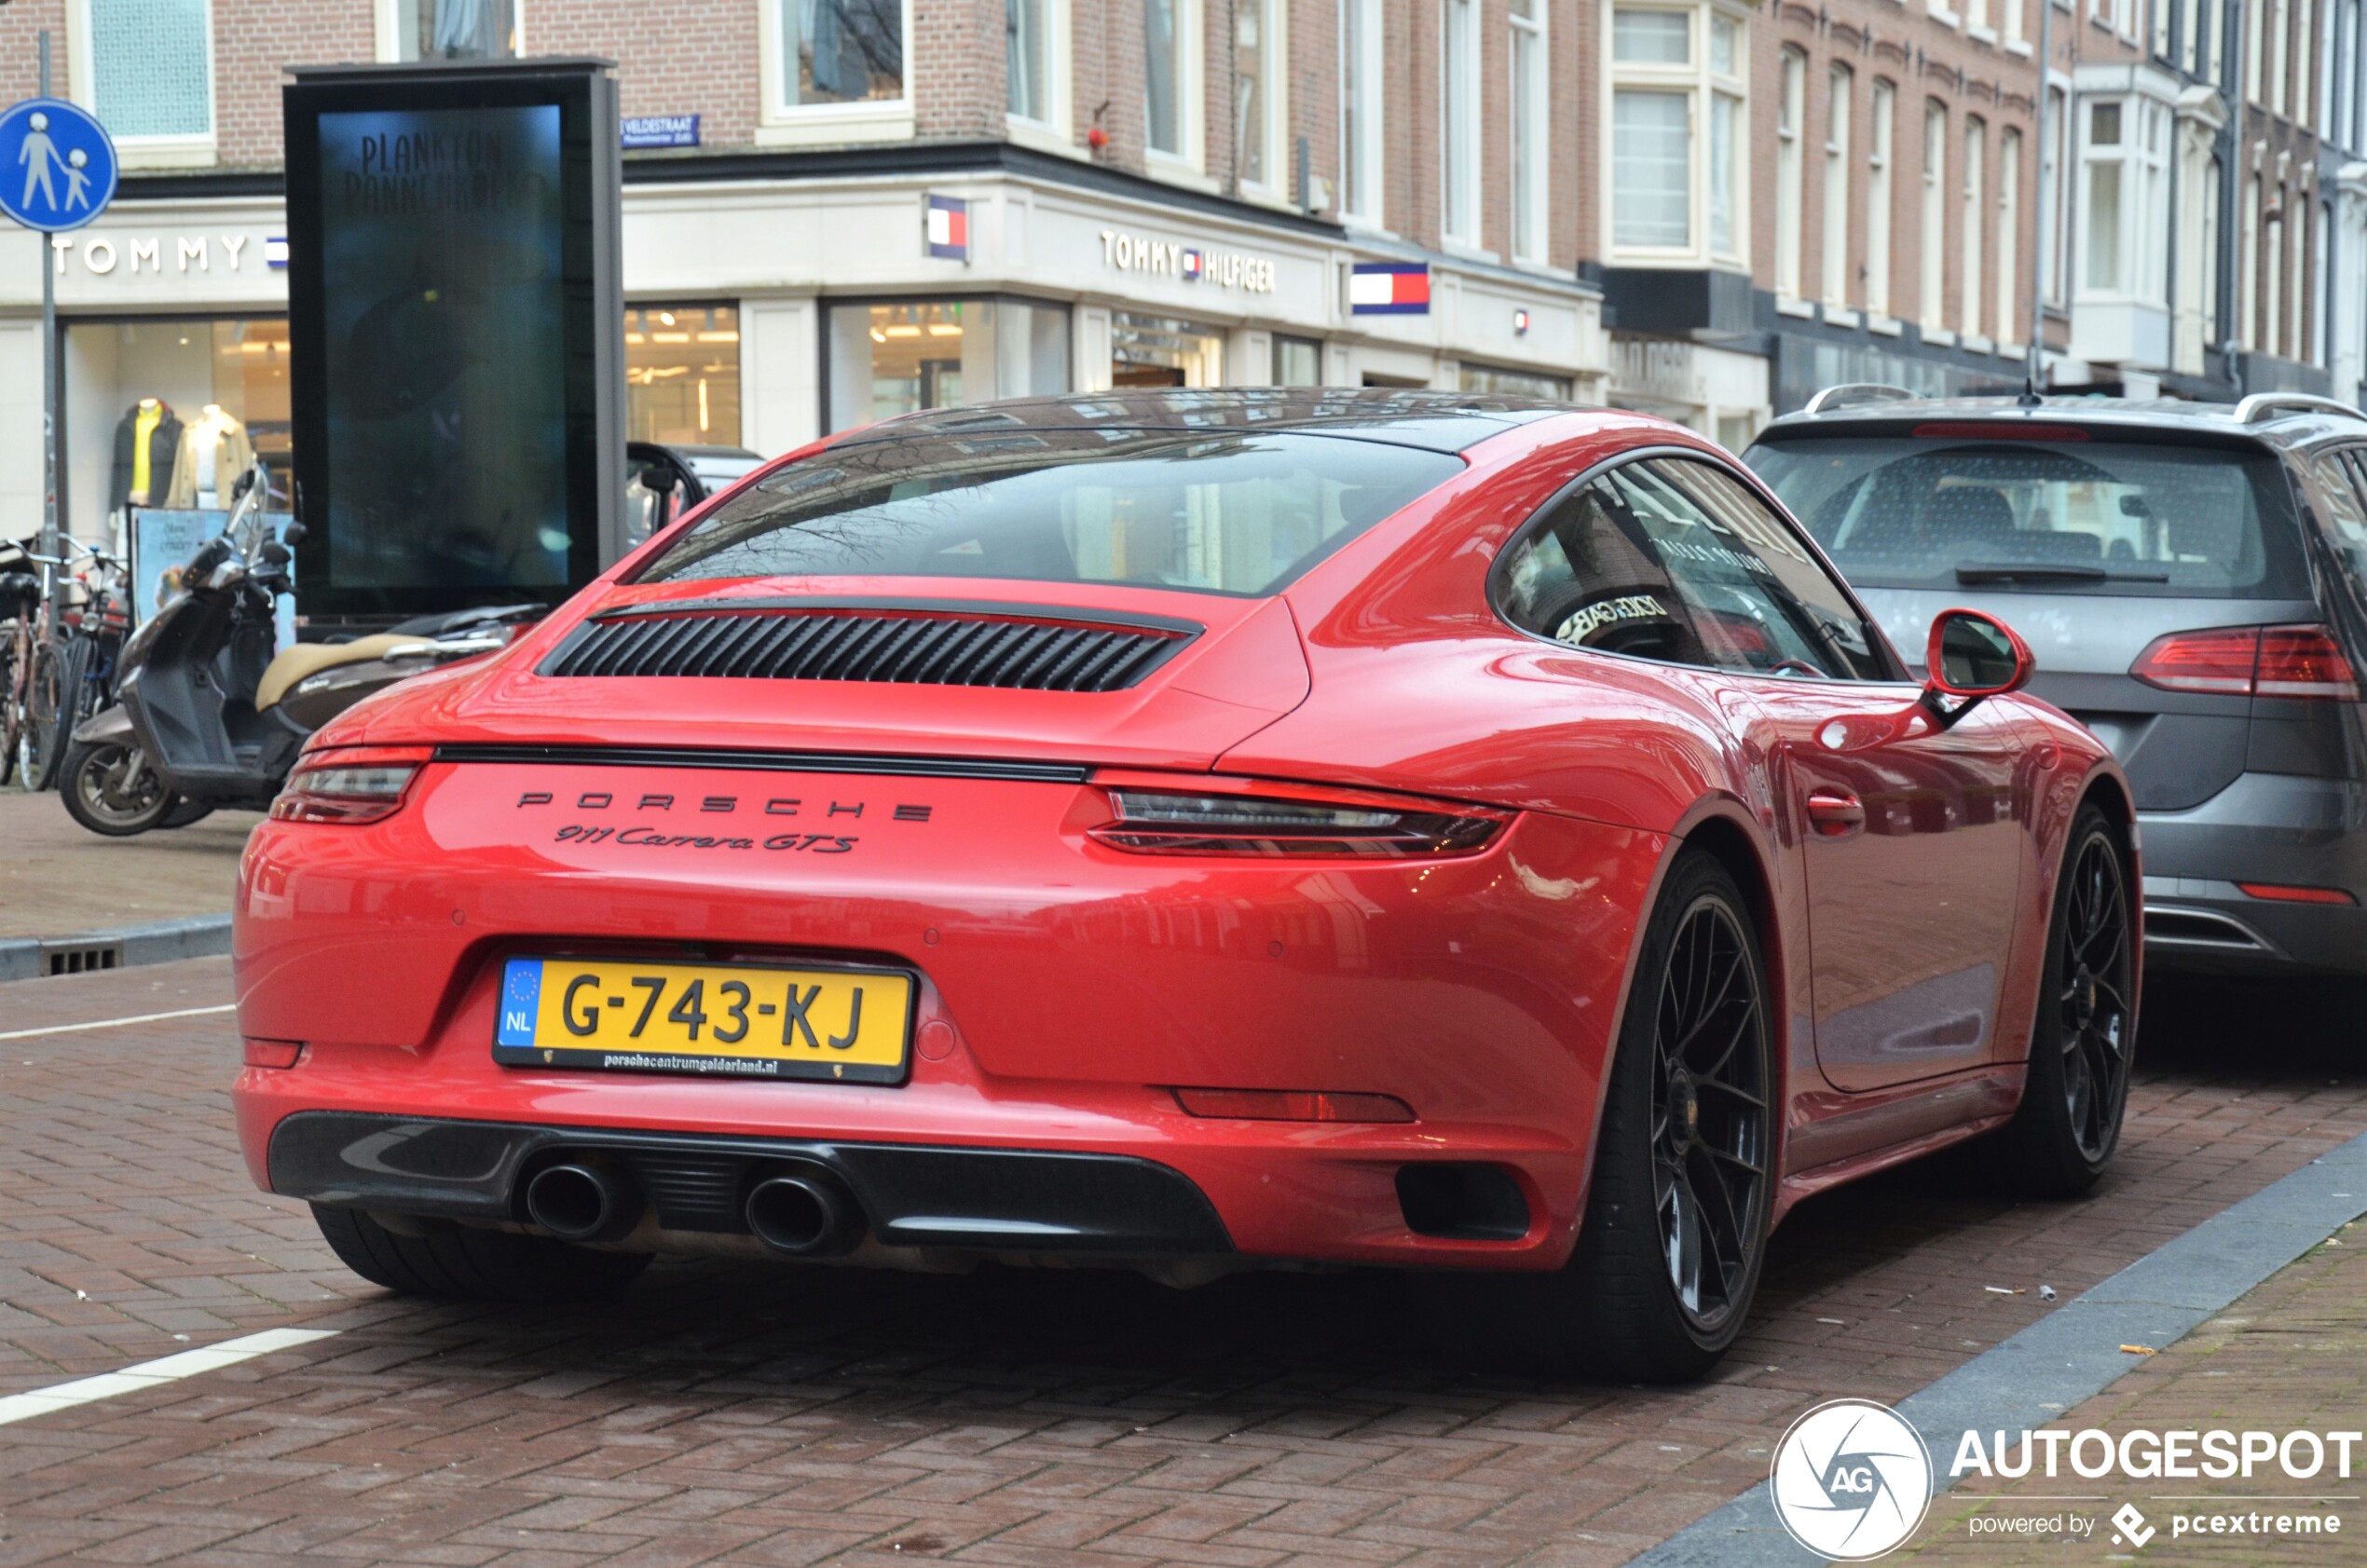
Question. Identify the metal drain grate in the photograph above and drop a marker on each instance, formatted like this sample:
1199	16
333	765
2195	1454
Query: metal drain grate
80	958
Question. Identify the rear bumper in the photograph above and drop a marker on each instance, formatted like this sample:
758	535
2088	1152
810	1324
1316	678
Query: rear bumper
2264	828
912	1195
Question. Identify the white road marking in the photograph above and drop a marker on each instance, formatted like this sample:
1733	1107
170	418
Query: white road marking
148	1374
118	1023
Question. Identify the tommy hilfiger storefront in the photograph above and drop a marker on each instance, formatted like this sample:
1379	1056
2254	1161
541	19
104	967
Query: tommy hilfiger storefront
770	300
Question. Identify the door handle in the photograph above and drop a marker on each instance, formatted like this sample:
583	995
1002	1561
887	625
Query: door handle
1835	813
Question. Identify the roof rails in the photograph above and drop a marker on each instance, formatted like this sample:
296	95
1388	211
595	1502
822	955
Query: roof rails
1858	391
2266	405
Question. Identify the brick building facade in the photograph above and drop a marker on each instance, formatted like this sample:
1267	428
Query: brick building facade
1702	207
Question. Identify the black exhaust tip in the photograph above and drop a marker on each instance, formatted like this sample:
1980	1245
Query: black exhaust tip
583	1201
804	1211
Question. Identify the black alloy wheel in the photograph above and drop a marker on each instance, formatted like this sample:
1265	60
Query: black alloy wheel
1709	1125
2083	1042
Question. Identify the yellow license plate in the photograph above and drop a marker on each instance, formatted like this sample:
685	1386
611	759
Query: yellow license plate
742	1020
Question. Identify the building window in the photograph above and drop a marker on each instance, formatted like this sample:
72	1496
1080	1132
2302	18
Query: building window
455	28
2009	232
1972	237
682	375
2303	112
1790	109
1160	351
1668	187
2248	262
2343	101
1514	383
1258	50
1170	75
148	74
1879	217
1839	83
1361	124
1977	16
1458	173
838	52
1030	54
2272	332
1532	130
2321	297
2012	16
2297	330
2214	327
1298	362
2190	23
2160	14
2103	204
2052	193
909	355
1934	235
2280	37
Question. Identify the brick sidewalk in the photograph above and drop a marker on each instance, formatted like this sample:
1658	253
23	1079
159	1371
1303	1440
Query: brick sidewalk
2290	1354
778	1415
57	879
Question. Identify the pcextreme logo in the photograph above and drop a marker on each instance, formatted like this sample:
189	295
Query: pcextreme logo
1850	1479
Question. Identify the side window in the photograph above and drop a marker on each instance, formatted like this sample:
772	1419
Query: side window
1671	559
2343	476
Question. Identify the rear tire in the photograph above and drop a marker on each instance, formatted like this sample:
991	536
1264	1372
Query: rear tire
1674	1232
42	748
465	1263
98	794
2084	1040
187	812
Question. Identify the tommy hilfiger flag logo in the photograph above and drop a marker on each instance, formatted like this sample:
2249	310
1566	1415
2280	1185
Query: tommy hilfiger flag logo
948	228
1390	289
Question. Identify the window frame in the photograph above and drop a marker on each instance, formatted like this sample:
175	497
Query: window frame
1702	84
1932	307
1191	88
1971	224
1363	141
1274	65
1840	96
1528	147
175	151
1055	131
781	123
1500	566
387	29
1881	194
2140	264
1461	124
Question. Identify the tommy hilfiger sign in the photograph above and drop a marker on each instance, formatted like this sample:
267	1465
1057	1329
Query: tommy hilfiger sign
1226	269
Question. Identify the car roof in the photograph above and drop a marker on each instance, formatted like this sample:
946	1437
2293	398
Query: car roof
2265	421
1438	421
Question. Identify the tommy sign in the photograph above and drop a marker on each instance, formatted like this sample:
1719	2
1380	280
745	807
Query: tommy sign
1226	269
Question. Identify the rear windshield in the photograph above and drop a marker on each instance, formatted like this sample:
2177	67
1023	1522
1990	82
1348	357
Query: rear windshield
2053	516
1239	513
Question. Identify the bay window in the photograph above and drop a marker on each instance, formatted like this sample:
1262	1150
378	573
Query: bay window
1532	124
1460	129
2124	156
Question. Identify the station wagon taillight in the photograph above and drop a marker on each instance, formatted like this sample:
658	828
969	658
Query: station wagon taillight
2287	662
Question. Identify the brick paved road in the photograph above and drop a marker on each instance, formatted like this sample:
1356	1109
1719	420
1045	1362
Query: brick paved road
58	879
777	1415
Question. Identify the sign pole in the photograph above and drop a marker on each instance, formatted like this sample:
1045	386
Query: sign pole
53	585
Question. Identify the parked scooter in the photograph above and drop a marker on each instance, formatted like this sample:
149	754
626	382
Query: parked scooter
207	715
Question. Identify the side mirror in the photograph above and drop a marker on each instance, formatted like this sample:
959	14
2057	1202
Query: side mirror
293	532
1972	656
658	479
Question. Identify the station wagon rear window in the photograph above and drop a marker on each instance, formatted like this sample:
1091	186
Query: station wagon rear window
1233	513
2091	515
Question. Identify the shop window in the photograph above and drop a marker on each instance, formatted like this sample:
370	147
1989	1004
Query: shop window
682	375
1515	383
1156	351
455	29
1678	146
835	52
900	358
165	412
146	68
1298	362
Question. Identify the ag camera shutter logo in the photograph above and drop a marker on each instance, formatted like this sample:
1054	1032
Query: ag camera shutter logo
1850	1479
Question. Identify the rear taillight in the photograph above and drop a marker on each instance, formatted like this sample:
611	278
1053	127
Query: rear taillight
1284	820
351	784
2248	661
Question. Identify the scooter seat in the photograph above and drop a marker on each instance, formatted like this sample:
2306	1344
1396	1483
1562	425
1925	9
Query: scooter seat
293	664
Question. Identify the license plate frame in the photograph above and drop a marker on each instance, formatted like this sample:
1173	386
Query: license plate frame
522	1010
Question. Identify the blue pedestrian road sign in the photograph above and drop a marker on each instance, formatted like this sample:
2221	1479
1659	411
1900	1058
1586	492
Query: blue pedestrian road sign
57	165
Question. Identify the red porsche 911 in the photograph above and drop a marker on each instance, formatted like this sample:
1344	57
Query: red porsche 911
1193	831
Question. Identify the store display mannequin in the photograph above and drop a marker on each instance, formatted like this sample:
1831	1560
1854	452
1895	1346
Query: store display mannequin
214	451
147	445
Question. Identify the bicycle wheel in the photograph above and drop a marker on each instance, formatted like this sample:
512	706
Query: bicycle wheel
45	696
11	716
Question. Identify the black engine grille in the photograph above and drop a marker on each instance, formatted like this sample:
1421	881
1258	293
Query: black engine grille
920	647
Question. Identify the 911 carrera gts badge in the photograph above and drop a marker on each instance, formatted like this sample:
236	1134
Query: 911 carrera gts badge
645	837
